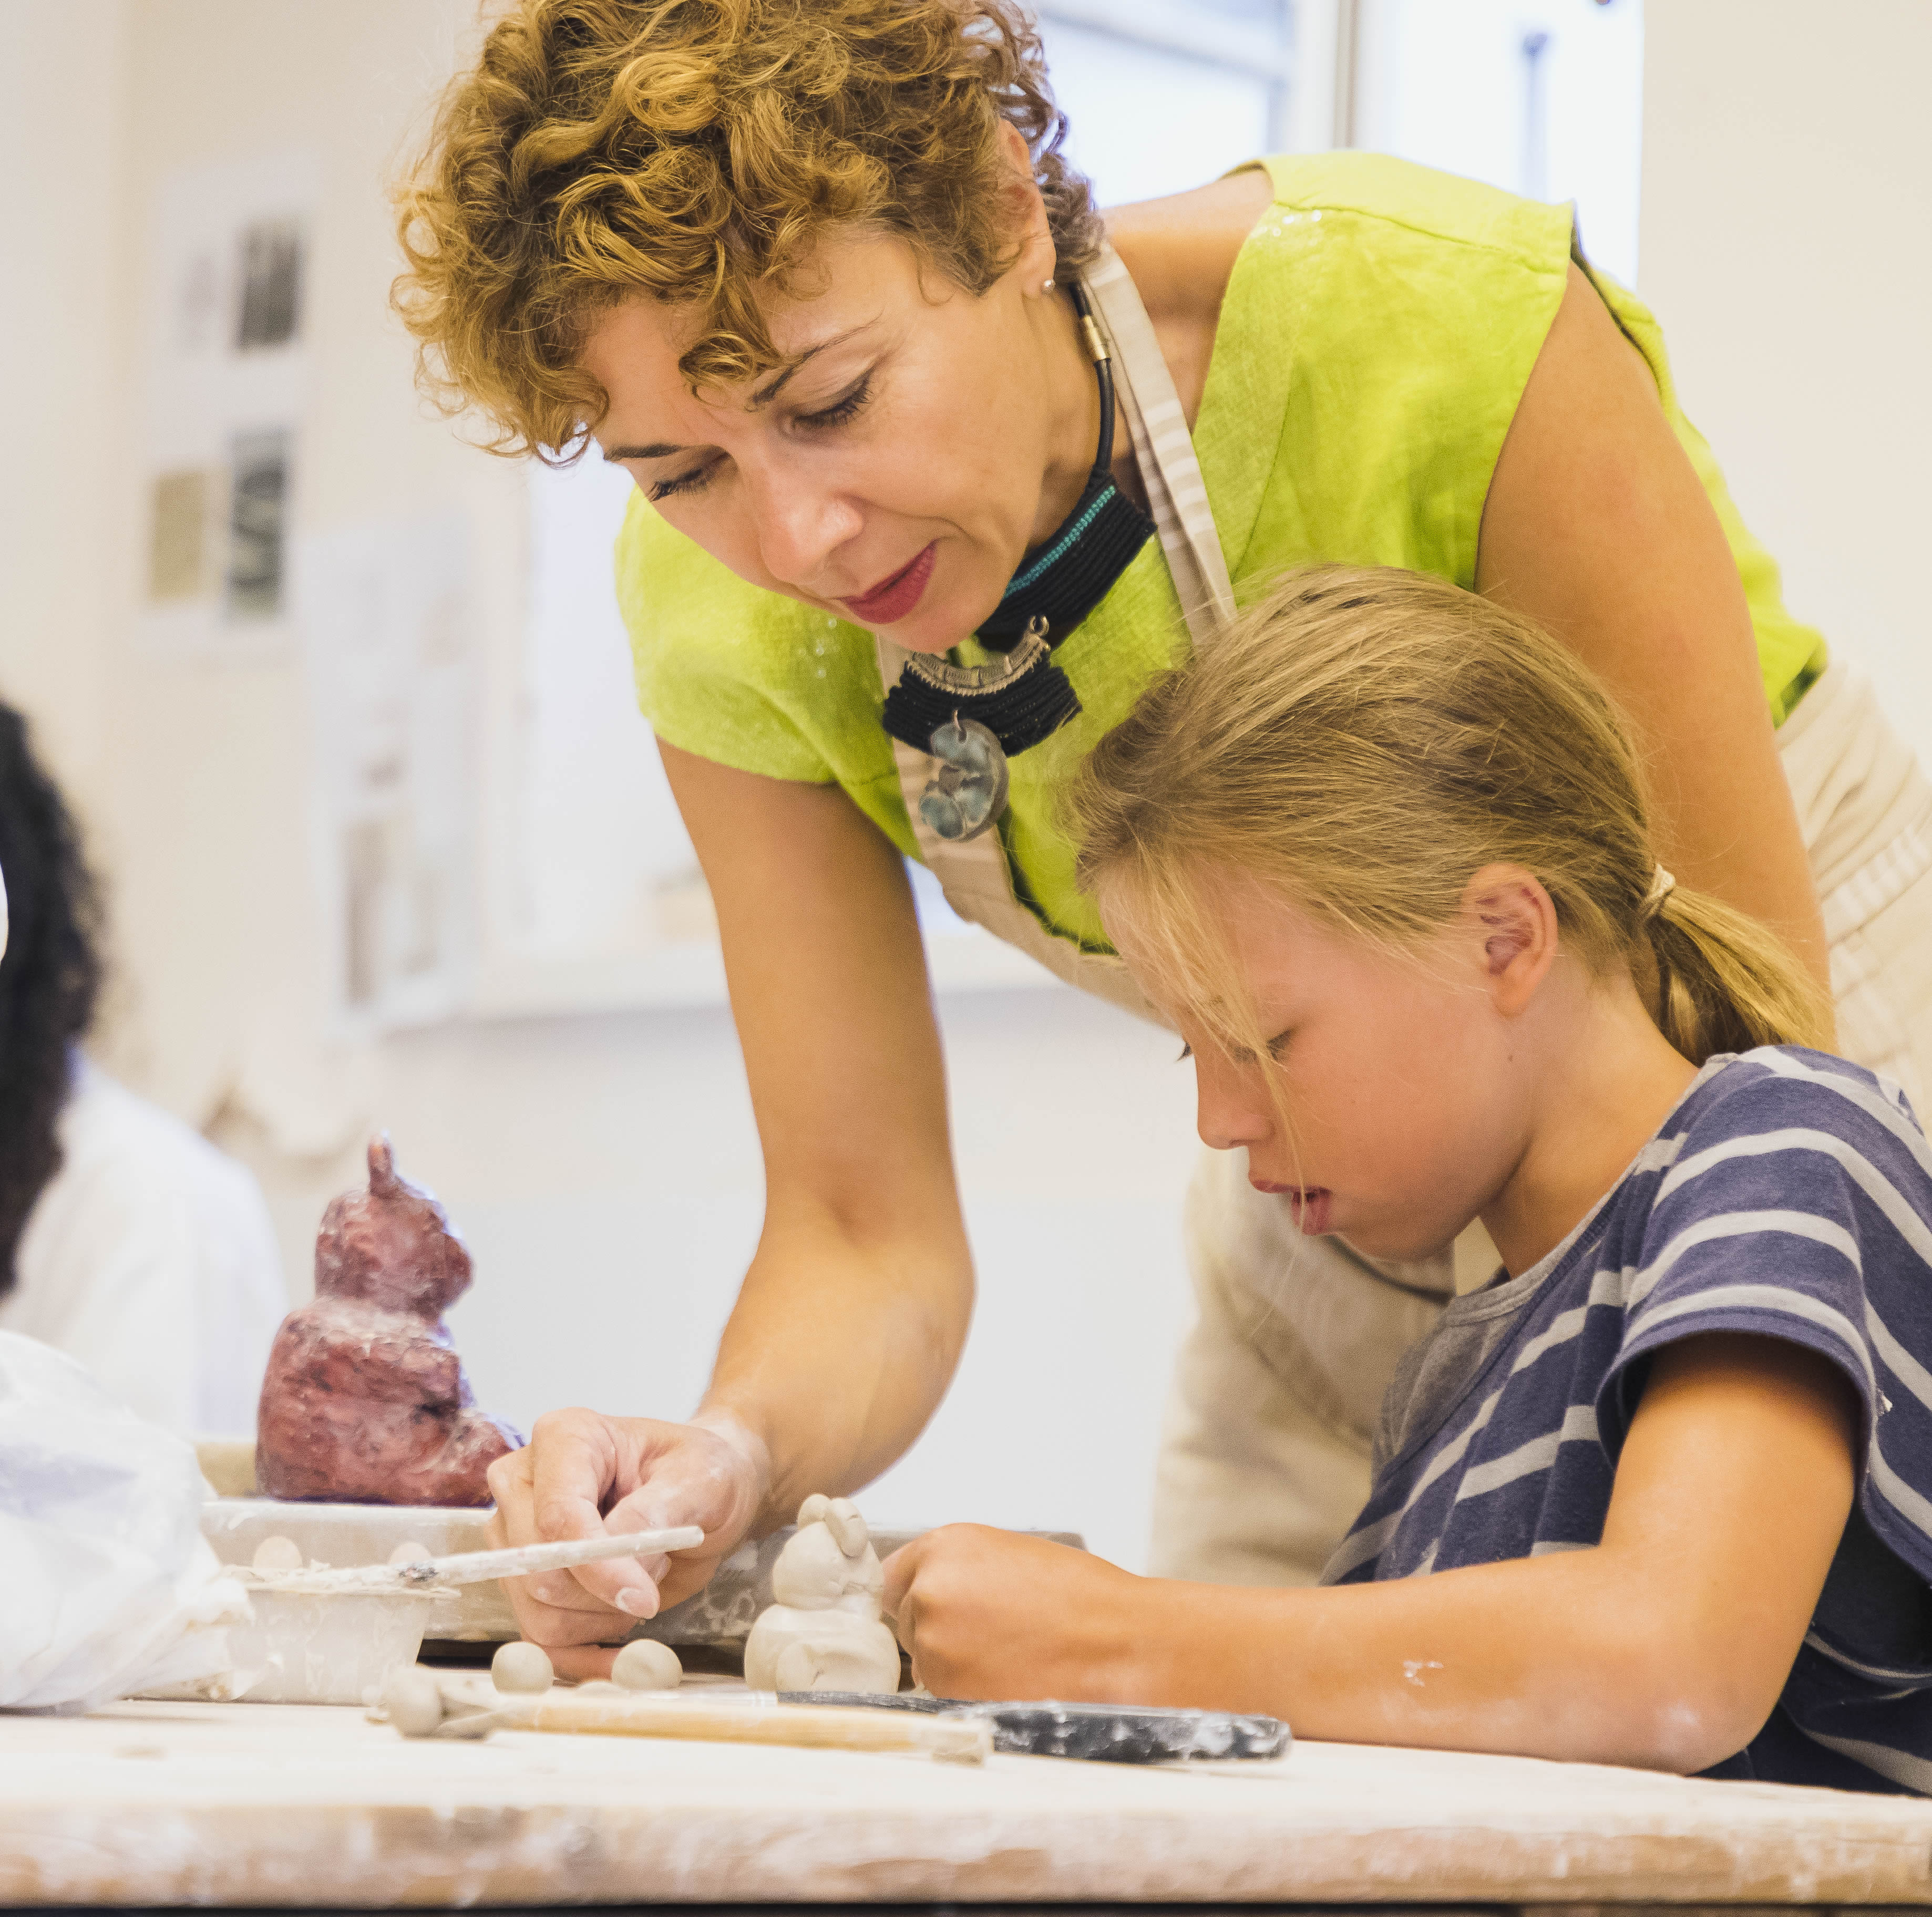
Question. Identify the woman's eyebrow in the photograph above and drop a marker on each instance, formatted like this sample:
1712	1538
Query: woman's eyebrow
761	396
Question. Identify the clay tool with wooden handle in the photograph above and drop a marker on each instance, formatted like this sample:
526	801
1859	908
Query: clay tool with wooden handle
829	1728
414	1702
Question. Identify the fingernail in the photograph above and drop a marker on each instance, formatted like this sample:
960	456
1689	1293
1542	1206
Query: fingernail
637	1603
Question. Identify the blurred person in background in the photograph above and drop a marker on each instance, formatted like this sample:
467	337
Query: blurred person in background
127	1240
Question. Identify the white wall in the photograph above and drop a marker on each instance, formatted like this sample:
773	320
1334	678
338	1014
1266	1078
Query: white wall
62	145
1787	201
1449	85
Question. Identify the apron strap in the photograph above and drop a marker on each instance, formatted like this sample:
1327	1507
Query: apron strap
973	873
1164	450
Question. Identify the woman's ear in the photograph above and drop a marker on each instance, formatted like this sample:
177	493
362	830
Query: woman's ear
1511	920
1036	253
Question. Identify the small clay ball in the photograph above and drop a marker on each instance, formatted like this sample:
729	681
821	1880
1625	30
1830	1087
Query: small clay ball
644	1664
518	1667
277	1554
411	1701
409	1553
599	1688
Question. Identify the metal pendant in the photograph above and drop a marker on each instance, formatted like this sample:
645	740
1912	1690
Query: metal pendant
977	682
969	793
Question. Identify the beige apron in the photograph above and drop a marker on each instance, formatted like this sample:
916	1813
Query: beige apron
1264	1451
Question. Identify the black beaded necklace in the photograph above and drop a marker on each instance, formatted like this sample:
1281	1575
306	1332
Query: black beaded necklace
975	718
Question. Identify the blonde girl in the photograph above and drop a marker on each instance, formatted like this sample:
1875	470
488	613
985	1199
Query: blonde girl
1658	1493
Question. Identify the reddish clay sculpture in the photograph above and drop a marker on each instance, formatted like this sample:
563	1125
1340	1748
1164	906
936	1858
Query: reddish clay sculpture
365	1400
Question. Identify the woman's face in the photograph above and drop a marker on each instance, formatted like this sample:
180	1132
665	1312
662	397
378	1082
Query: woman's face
917	439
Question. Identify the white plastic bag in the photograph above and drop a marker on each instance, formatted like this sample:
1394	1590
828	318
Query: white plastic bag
107	1585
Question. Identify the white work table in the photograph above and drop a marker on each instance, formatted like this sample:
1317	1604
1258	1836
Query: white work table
239	1804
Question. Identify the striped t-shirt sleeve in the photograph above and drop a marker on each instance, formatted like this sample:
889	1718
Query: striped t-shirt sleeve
1798	1212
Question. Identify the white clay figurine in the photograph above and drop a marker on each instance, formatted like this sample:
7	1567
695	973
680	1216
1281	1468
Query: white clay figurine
824	1632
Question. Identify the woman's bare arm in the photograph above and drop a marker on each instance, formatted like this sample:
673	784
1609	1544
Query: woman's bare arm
851	1317
853	1314
1666	1646
1596	525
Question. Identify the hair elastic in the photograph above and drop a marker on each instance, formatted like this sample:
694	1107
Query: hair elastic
1663	884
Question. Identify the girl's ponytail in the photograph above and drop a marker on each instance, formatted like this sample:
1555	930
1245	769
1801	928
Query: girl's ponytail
1724	982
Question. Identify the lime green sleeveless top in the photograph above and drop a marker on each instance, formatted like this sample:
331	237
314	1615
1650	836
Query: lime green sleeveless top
1376	336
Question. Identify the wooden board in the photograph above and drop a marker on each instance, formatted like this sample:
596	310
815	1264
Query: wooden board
155	1803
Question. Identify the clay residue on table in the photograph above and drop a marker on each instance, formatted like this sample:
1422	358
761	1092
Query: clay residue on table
365	1400
258	1804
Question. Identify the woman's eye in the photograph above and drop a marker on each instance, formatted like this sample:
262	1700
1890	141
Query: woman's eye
684	482
1187	1053
1279	1044
841	410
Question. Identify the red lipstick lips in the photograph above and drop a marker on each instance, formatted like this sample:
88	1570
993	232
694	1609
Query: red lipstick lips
888	602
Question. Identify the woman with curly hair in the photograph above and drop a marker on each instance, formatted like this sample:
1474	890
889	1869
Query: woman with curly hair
936	470
127	1240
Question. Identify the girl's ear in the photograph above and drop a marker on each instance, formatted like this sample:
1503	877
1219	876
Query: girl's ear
1512	921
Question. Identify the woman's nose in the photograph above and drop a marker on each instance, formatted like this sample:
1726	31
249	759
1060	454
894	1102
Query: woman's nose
1230	1109
800	525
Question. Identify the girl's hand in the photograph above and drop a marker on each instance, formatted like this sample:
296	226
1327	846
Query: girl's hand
990	1614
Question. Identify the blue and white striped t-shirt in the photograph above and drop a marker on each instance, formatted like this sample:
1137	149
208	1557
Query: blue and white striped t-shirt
1789	1194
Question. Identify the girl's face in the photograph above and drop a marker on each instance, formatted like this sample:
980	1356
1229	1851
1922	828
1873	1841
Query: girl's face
917	440
1402	1079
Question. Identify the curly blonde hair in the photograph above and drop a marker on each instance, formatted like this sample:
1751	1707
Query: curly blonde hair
692	151
1361	742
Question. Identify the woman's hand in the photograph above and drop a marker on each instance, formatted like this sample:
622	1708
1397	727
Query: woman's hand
990	1614
583	1475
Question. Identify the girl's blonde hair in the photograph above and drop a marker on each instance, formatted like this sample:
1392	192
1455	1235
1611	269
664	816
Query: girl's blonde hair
693	151
1364	741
